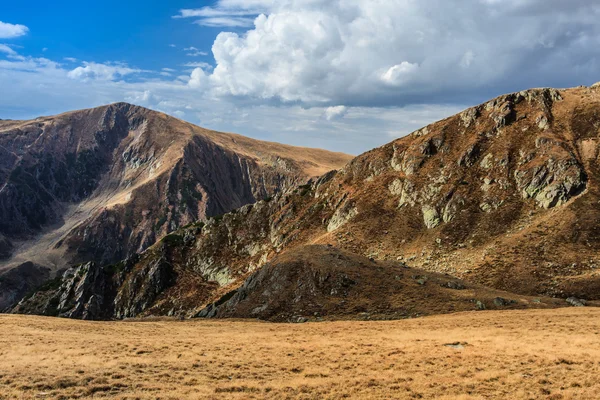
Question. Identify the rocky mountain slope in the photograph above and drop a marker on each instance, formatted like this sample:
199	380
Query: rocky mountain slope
105	183
321	282
503	195
313	282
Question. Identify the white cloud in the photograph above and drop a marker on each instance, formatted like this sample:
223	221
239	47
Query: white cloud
203	65
198	79
467	59
400	73
108	72
6	49
38	86
323	52
221	16
9	31
335	112
208	12
194	52
226	22
70	59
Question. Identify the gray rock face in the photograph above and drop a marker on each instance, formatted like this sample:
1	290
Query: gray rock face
342	215
553	183
431	216
84	290
142	288
575	302
93	292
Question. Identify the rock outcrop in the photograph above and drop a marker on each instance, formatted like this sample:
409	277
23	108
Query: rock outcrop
94	292
321	282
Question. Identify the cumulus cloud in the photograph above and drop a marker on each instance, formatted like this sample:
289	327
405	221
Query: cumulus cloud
323	52
198	79
107	72
335	112
289	66
9	31
399	74
225	22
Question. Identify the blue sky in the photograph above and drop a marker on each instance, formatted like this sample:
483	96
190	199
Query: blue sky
133	31
345	75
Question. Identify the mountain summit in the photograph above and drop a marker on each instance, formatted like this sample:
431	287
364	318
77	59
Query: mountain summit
105	183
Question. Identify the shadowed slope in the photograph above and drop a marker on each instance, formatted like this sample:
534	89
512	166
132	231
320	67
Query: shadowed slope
105	183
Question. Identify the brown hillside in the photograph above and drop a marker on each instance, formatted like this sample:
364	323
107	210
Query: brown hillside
321	282
503	195
105	183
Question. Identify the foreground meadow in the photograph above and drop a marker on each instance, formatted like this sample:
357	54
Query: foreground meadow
548	354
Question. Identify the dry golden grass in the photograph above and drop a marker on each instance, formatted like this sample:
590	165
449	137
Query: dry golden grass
549	354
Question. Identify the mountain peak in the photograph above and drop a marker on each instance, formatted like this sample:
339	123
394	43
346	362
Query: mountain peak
104	183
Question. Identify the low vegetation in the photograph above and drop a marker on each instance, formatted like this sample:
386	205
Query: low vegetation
532	354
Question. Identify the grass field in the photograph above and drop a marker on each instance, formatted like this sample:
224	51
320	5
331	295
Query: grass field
534	354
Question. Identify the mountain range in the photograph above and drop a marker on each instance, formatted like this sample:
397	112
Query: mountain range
496	207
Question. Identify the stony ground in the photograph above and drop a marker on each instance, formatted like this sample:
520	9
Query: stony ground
532	354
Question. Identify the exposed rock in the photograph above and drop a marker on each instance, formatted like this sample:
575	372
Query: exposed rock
575	302
456	285
341	216
452	208
83	292
542	121
323	282
396	187
487	161
143	287
503	114
431	216
469	158
408	196
553	183
456	345
469	116
501	302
